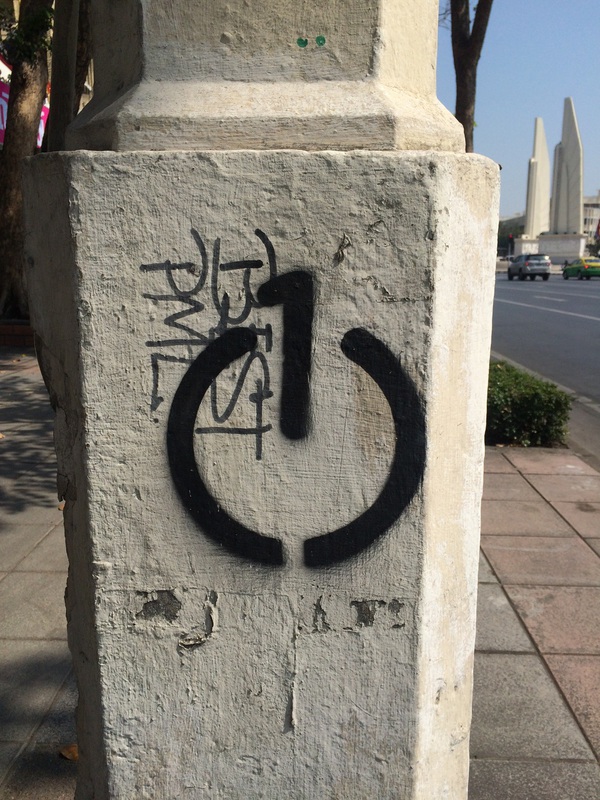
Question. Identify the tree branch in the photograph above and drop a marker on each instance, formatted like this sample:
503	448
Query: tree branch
460	14
480	23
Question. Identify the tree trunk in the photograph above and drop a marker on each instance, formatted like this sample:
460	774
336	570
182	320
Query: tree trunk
27	90
71	56
466	86
84	52
467	42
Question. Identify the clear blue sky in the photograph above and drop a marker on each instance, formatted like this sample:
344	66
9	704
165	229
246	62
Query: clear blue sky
536	53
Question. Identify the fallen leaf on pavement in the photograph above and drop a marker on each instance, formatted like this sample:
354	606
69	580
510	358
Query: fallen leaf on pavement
70	752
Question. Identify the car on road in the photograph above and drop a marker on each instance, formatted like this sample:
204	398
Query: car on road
529	265
582	268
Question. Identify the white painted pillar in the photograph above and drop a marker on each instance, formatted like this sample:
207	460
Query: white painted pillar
272	574
340	74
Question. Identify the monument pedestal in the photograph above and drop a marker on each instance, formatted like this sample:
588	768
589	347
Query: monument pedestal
269	369
562	246
558	246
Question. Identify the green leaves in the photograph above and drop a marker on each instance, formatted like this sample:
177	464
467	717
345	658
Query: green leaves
523	410
22	41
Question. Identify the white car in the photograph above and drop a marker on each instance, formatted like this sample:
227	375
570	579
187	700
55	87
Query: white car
529	265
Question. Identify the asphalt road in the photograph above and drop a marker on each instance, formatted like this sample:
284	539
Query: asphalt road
552	328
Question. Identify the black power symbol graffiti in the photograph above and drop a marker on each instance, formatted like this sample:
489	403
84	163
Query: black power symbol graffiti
294	290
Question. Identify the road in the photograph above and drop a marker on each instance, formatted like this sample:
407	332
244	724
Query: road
552	328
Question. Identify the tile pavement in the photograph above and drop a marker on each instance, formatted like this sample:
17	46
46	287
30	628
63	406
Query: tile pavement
37	693
536	710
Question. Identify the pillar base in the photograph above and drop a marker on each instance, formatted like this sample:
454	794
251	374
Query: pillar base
323	115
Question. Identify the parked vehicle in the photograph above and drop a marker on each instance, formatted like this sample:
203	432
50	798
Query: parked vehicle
530	265
582	268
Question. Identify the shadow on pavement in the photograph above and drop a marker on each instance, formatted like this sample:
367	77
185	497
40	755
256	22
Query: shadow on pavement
41	775
31	676
27	460
38	687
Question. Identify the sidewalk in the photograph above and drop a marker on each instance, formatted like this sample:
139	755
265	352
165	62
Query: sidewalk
536	711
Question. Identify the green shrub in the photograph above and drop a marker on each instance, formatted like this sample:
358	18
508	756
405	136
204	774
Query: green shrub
524	410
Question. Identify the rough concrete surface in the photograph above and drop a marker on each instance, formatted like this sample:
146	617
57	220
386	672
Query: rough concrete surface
206	665
328	76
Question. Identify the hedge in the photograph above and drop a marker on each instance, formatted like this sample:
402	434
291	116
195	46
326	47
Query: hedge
523	410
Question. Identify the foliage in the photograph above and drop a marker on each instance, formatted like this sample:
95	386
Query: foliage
22	42
594	249
509	227
524	410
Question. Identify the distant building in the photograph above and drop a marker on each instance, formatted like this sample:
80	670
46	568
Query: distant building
591	216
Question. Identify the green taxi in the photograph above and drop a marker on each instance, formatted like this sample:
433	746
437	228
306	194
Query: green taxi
582	268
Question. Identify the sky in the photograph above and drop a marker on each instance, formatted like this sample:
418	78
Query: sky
536	53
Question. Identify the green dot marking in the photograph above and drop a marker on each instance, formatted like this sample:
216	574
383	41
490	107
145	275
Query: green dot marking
320	40
301	42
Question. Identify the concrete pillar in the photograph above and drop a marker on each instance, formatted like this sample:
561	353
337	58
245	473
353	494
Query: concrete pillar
270	370
286	74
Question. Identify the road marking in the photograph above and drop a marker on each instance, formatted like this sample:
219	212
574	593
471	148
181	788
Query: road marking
551	310
566	289
588	294
549	299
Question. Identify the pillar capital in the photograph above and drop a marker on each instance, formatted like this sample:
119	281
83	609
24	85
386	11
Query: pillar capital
341	74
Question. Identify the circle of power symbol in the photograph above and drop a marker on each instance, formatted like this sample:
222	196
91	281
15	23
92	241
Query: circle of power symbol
294	290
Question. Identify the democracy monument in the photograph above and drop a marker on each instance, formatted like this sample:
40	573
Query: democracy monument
554	222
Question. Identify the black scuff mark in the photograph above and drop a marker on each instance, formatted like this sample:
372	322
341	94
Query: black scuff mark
365	611
166	605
